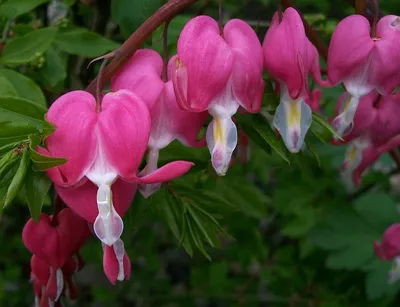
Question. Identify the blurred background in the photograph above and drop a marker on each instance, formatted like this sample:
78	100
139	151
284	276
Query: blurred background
286	230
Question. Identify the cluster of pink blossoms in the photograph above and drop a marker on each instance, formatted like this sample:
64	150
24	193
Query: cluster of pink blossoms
215	72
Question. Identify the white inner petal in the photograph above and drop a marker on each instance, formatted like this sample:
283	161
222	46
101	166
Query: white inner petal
221	140
108	225
292	119
343	123
60	283
152	159
221	133
394	273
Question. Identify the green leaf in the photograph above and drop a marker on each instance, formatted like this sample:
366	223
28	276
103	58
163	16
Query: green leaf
244	196
21	110
84	43
37	186
24	87
129	15
349	232
53	70
7	162
48	128
18	180
14	8
6	87
322	129
313	152
13	133
42	162
24	49
267	134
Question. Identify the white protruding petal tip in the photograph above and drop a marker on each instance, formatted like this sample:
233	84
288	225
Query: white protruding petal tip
221	140
394	273
119	251
149	189
60	283
293	119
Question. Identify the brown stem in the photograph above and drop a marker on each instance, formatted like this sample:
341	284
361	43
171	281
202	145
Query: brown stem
99	85
360	7
280	11
311	33
220	18
58	203
166	12
165	44
376	17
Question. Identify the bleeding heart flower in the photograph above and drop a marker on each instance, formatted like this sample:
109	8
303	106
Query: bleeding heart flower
102	146
142	76
363	63
218	72
375	131
389	249
289	57
53	241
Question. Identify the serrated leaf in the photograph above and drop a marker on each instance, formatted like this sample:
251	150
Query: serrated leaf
24	87
14	133
37	185
21	111
14	8
84	43
18	179
42	162
24	49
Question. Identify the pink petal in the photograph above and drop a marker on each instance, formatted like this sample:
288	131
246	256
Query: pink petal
369	156
111	266
364	117
391	242
141	75
170	122
387	124
384	73
40	269
286	52
43	240
124	130
82	200
75	137
349	48
166	173
314	99
203	66
247	70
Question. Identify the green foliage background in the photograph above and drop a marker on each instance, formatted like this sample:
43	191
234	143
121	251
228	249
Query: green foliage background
278	230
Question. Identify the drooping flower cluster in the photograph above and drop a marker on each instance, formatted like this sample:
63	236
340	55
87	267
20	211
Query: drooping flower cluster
363	63
55	242
389	250
375	131
215	72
